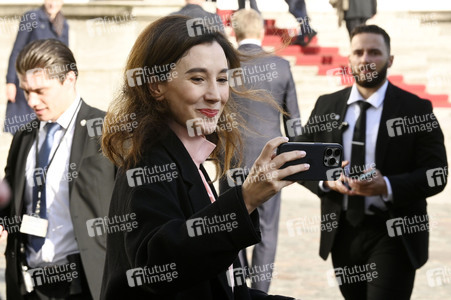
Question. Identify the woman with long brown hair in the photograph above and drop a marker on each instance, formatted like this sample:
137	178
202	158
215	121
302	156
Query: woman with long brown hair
183	240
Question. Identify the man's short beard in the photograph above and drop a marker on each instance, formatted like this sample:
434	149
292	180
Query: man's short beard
372	81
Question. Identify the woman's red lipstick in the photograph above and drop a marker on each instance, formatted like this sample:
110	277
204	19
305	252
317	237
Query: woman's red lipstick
210	113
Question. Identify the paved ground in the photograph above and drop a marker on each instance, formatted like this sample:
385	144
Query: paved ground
301	272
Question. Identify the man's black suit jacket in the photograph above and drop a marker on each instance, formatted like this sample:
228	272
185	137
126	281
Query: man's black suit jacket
162	237
90	194
404	159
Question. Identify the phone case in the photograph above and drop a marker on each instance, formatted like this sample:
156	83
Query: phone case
324	159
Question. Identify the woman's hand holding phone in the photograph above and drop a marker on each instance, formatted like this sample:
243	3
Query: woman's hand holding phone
265	177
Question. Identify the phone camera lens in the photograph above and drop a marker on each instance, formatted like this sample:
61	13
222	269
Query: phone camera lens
329	152
332	161
337	152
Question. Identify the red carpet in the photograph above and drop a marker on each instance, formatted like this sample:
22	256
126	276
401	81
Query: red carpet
328	59
331	63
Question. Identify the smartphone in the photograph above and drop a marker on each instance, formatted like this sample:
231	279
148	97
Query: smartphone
324	159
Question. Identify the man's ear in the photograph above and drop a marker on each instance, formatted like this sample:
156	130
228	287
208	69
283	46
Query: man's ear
157	90
390	60
70	78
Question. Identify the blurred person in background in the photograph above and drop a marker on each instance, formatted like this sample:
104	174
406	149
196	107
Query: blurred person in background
263	123
253	4
45	23
193	9
354	12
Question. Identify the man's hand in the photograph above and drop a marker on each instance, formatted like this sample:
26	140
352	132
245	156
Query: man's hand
339	185
374	186
11	92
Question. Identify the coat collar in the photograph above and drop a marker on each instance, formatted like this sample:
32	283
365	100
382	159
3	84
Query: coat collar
189	173
391	107
340	109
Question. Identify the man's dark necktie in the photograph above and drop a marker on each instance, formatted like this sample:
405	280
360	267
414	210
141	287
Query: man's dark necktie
42	165
356	204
